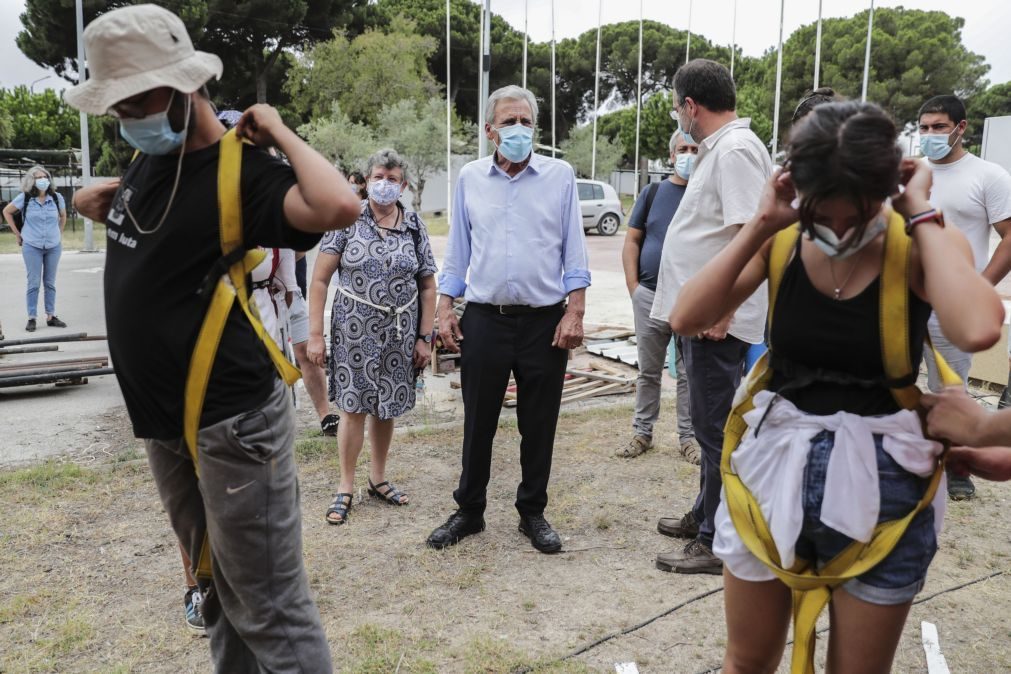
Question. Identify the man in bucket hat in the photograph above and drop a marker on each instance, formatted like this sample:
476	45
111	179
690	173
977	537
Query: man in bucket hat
163	242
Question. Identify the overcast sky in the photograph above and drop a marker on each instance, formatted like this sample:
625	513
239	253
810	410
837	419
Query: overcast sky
985	32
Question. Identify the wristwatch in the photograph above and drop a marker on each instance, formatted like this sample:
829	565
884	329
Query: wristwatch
426	338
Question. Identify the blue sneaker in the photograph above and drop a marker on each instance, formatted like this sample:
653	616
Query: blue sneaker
192	601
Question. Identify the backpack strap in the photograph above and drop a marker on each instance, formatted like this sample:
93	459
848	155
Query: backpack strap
650	196
779	256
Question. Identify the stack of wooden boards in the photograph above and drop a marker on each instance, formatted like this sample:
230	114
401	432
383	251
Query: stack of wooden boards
63	372
598	379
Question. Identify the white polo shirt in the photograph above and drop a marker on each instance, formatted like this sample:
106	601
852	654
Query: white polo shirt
973	194
730	172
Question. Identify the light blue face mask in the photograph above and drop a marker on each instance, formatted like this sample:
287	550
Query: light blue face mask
935	145
153	134
42	184
683	165
515	142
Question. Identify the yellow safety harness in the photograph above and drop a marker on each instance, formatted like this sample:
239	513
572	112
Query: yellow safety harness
228	280
812	587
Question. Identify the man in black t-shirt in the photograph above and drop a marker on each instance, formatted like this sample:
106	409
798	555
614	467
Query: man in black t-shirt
163	239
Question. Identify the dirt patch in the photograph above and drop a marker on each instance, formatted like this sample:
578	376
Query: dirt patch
92	578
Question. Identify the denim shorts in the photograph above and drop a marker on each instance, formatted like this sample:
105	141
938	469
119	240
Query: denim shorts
900	575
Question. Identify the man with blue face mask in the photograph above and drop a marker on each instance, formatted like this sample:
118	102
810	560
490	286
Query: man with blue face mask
640	258
516	252
165	229
975	196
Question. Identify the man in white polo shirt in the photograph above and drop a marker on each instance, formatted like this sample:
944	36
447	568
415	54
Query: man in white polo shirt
730	172
974	196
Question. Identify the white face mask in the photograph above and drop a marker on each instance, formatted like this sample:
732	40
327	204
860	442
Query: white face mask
837	248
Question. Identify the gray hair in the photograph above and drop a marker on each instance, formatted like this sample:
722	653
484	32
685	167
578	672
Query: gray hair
513	93
28	180
387	158
674	140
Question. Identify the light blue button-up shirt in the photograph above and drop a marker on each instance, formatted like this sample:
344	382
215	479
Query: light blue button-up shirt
521	238
40	224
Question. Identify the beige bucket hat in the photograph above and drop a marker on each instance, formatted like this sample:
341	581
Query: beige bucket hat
135	49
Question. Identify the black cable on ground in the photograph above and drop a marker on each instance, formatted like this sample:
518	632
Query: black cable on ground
627	630
918	601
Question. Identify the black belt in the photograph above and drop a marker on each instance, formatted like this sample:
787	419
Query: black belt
515	309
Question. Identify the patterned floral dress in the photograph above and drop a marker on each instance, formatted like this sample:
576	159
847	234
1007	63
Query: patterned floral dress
371	367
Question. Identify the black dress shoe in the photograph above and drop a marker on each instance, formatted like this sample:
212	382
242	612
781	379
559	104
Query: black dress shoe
456	528
540	533
30	327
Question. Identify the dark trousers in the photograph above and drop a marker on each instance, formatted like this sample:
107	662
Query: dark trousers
493	346
714	371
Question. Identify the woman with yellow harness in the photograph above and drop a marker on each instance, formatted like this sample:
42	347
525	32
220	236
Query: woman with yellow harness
828	479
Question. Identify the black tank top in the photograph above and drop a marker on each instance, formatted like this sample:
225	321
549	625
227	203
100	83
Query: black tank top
811	331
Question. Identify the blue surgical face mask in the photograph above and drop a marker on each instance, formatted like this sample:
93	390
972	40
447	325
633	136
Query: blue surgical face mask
384	192
153	134
836	248
42	184
515	142
935	145
683	165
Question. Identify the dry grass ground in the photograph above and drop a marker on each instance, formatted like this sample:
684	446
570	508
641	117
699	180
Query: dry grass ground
92	582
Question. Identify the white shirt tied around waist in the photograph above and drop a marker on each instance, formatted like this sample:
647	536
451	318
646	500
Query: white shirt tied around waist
772	467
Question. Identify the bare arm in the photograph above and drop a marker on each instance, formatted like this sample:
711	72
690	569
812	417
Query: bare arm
321	200
322	272
630	251
1000	263
967	306
426	298
9	211
95	200
63	219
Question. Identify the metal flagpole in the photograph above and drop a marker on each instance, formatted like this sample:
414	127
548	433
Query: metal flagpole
482	147
688	46
817	50
526	38
867	54
779	83
596	92
733	41
554	140
638	104
89	226
449	127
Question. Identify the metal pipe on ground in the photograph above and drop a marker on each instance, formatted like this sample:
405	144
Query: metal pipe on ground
28	349
8	382
73	337
27	372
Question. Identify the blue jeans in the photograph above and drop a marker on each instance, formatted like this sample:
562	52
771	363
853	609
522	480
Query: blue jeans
900	575
40	263
714	371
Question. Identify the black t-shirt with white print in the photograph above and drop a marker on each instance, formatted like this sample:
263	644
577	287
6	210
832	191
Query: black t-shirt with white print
152	310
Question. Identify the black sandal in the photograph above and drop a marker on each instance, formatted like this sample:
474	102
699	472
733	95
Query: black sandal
392	495
329	425
340	507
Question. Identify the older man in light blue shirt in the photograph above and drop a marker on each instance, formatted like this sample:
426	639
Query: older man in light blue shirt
517	230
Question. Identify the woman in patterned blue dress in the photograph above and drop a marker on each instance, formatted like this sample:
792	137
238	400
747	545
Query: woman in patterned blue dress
381	324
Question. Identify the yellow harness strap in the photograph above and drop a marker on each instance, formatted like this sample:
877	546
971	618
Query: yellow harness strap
230	288
812	587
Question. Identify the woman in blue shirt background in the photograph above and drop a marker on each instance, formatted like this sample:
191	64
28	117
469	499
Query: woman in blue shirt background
43	216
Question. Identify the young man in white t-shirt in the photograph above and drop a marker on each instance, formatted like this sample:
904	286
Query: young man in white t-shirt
974	196
729	174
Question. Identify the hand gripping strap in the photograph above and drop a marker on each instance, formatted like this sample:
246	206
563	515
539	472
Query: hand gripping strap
812	587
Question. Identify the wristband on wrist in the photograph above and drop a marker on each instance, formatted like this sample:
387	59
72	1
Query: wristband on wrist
926	216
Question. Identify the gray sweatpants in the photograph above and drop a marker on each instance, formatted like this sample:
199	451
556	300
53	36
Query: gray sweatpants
652	339
258	611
